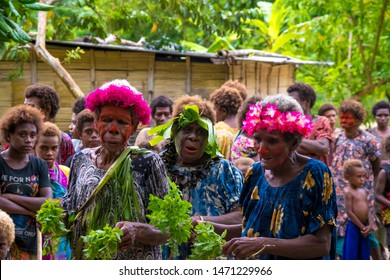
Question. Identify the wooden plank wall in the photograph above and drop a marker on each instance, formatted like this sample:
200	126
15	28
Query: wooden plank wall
263	78
150	76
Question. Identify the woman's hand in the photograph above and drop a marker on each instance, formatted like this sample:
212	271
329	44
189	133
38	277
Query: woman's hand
243	247
129	234
197	219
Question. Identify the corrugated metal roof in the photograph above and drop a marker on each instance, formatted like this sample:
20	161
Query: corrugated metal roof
217	59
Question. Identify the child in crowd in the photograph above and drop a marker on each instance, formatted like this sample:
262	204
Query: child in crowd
47	100
86	128
24	179
7	234
356	243
88	134
47	148
77	107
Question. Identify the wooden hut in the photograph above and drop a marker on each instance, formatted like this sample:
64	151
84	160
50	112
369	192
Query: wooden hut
152	72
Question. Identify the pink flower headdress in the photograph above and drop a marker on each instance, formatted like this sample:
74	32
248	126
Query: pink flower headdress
121	94
270	118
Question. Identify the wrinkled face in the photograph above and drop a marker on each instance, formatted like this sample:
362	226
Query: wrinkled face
162	115
382	117
90	136
191	142
23	139
4	245
348	121
358	177
115	127
72	124
331	115
47	149
272	148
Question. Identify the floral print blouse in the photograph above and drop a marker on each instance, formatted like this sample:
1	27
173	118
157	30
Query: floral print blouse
243	146
364	147
213	188
300	207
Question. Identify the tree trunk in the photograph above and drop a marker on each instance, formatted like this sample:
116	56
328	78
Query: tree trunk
43	53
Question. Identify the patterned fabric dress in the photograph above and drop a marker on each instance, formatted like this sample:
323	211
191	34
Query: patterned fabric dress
366	148
321	130
149	178
66	148
300	207
243	146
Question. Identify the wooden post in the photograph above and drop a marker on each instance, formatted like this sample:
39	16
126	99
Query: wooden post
278	88
151	70
39	244
269	75
92	70
33	67
189	75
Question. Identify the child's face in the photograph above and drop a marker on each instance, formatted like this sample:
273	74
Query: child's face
23	139
90	136
47	149
358	177
4	245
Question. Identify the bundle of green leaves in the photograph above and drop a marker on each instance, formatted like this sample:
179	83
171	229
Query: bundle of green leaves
118	181
208	244
171	214
102	244
51	217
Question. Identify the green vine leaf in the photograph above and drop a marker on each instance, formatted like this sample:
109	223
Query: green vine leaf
51	217
171	215
102	244
208	244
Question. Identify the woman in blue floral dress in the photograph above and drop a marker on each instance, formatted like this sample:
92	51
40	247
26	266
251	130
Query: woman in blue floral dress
210	183
355	143
288	200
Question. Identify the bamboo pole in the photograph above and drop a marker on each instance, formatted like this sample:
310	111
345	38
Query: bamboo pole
39	244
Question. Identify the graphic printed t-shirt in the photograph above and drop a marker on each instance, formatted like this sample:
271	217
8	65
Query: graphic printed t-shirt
25	182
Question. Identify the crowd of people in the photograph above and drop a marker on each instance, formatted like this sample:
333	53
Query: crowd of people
283	182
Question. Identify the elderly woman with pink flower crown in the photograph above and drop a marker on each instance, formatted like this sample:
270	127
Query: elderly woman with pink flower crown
111	184
288	200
